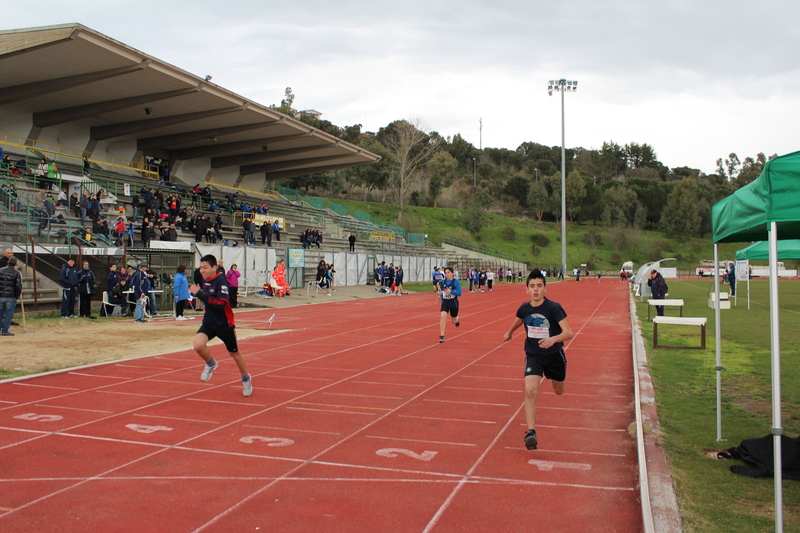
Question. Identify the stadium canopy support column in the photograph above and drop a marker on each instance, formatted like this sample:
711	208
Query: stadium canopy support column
775	344
718	340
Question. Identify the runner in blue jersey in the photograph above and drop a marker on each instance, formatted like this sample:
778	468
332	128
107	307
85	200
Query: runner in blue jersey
451	290
217	321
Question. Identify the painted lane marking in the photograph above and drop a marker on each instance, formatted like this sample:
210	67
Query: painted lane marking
71	408
490	377
547	466
140	428
291	429
585	410
33	417
43	386
133	394
573	452
297	377
145	367
176	382
448	419
382	383
96	376
230	403
363	395
330	411
341	406
175	418
421	441
578	428
408	373
271	441
515	391
11	403
392	452
469	403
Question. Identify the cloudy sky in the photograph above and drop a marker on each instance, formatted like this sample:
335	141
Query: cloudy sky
694	79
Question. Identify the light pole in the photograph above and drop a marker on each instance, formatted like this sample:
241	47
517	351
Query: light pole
537	174
563	86
475	172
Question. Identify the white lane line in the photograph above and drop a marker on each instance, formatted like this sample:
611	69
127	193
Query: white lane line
197	383
175	418
248	404
601	454
468	403
296	377
586	410
96	375
490	377
578	428
547	466
382	383
278	390
330	411
144	366
133	394
408	373
10	403
43	386
420	440
448	419
71	408
291	429
363	395
515	391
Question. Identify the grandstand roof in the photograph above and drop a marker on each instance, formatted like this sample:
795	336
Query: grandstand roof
75	77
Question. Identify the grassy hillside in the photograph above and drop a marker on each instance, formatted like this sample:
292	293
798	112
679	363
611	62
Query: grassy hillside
539	243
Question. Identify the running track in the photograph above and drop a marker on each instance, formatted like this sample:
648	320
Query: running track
360	422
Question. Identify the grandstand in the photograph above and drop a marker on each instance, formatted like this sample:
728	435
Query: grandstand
113	118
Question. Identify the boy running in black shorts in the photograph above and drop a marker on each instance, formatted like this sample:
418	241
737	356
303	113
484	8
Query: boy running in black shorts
546	330
217	322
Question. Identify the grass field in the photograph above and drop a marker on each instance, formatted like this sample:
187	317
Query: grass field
712	499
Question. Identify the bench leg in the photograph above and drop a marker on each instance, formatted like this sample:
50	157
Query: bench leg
703	337
655	335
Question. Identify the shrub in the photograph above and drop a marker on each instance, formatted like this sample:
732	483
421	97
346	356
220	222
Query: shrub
535	250
540	239
509	233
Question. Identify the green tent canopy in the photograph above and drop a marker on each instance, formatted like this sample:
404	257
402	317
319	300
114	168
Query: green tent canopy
760	250
773	197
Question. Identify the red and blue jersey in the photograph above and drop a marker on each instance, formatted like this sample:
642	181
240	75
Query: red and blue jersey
214	295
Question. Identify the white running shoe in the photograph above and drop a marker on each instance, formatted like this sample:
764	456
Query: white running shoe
207	371
247	387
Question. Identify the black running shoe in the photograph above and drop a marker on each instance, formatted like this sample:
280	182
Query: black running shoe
531	442
458	322
441	339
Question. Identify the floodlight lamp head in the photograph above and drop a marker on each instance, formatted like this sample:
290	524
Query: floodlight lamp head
208	77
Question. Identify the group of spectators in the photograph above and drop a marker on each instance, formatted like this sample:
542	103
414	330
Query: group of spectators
325	277
389	278
310	237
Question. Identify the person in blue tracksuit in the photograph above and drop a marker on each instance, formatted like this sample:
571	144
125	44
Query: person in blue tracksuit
451	290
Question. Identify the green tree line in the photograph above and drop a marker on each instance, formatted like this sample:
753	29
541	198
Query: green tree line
616	185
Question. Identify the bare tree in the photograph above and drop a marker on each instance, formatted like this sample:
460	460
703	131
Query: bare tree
408	148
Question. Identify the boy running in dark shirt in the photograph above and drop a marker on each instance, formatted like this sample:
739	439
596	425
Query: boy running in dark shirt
546	330
217	321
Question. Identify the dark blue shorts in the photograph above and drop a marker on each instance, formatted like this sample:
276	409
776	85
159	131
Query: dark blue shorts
552	366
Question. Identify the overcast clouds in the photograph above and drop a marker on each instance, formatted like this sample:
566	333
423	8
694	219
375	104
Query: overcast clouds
696	80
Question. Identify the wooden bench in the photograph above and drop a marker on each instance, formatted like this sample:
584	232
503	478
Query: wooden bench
681	321
666	303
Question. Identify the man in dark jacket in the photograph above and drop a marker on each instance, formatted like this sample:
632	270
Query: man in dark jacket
352	240
658	288
200	228
86	288
69	288
10	291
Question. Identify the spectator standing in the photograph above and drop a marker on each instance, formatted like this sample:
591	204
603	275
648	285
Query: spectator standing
87	167
113	278
276	230
83	205
86	288
69	288
732	278
41	172
352	240
181	291
10	291
232	277
658	288
136	202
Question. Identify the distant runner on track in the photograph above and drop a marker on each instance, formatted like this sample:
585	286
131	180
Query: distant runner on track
451	290
217	322
546	330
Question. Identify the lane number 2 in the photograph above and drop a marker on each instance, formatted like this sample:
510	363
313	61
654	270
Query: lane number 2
271	441
393	452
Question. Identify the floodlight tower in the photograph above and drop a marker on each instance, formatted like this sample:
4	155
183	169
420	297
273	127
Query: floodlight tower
563	86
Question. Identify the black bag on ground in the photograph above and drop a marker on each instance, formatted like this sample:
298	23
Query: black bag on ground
759	453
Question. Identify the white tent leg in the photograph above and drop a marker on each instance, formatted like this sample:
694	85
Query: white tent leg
774	317
718	336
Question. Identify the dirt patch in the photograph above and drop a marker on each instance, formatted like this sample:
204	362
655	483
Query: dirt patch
56	343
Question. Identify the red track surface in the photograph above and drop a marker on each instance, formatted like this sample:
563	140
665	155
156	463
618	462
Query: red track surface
360	422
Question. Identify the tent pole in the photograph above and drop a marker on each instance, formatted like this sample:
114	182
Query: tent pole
774	317
718	339
748	284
